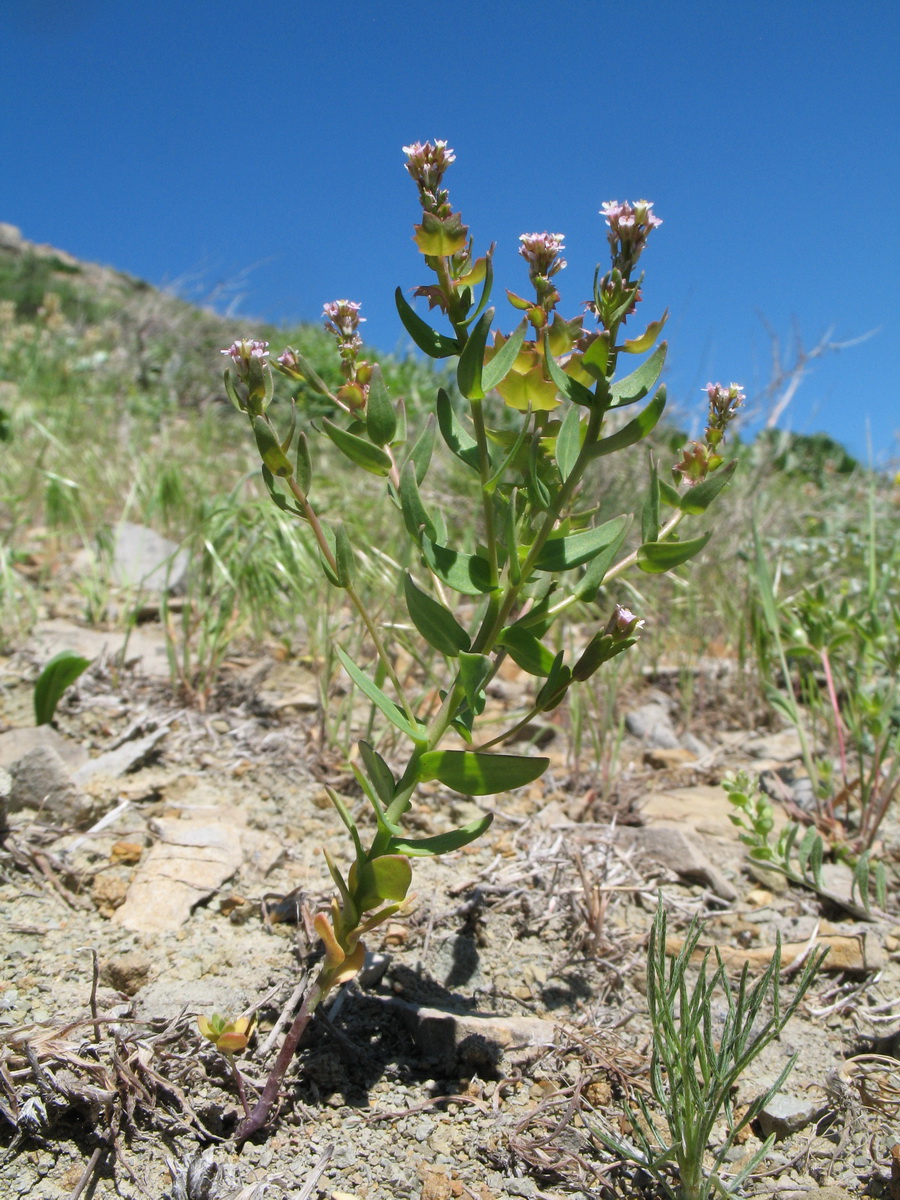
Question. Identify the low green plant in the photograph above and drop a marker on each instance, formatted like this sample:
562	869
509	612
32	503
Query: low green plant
842	647
695	1065
518	546
796	855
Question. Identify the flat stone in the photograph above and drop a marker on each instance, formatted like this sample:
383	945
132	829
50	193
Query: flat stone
41	780
143	558
669	846
121	760
16	743
454	1039
190	861
784	1115
779	747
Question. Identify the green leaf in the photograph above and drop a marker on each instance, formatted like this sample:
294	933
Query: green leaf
454	433
527	651
650	510
474	669
386	877
554	690
658	557
420	455
381	420
698	499
563	553
378	771
369	688
466	573
277	497
358	450
343	553
637	385
634	430
569	387
442	843
434	344
60	673
436	624
304	464
471	362
568	442
538	492
330	573
415	516
669	495
596	357
640	344
269	447
475	774
596	572
500	365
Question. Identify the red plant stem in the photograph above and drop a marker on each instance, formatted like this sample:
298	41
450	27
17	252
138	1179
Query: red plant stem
838	723
256	1119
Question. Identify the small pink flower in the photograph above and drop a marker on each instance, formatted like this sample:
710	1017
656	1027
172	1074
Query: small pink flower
724	401
624	622
542	252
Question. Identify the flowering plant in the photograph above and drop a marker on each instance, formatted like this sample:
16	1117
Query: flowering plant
537	554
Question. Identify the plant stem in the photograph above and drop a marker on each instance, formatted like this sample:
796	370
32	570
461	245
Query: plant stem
256	1119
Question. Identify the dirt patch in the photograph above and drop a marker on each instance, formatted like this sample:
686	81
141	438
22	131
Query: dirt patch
489	1023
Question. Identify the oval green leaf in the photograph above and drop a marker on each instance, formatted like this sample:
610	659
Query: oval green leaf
434	344
658	557
436	624
563	553
442	843
466	573
381	420
358	450
637	385
475	774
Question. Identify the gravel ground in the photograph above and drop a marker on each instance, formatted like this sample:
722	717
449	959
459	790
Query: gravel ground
527	950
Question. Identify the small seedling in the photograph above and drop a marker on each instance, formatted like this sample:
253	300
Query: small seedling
229	1038
60	673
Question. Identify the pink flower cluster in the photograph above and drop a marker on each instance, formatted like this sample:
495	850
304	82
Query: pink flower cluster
724	401
427	163
630	222
243	351
629	228
342	317
542	253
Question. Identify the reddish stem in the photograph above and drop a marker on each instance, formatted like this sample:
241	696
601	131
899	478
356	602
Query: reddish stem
256	1119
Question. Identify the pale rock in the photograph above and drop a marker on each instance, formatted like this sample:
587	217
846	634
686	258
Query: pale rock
779	747
143	558
784	1115
190	861
121	760
16	743
653	725
41	780
669	846
455	1039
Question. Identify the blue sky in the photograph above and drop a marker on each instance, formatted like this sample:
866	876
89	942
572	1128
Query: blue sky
253	152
